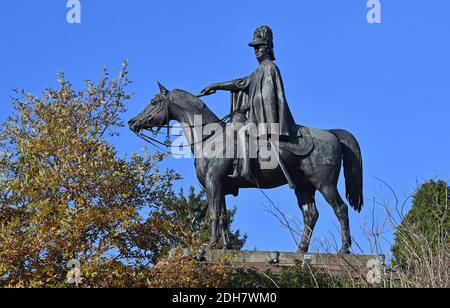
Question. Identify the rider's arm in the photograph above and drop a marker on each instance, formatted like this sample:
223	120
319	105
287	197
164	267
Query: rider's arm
237	85
224	86
233	86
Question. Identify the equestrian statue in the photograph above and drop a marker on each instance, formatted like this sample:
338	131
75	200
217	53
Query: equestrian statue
307	159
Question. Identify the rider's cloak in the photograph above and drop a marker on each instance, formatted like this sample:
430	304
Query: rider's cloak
262	99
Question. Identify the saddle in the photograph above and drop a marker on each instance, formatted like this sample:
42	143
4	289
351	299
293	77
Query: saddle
300	145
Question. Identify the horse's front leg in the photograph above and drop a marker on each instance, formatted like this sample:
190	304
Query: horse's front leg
219	238
215	192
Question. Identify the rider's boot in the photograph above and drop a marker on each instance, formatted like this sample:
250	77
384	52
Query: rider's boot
245	168
242	163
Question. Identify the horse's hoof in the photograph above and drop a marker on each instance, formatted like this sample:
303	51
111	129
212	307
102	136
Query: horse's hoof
303	250
345	251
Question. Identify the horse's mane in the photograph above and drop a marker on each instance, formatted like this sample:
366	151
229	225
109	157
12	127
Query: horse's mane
189	98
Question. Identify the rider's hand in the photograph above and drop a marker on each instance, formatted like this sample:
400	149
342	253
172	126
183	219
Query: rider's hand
207	91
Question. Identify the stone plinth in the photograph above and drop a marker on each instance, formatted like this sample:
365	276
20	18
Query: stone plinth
354	265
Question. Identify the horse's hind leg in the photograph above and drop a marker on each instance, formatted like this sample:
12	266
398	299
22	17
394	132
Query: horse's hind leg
307	202
340	208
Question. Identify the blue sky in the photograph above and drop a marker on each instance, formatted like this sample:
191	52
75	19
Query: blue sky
387	83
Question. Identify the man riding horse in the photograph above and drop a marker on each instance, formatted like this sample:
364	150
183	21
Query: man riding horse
259	99
314	161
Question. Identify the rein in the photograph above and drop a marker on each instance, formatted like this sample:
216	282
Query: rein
158	144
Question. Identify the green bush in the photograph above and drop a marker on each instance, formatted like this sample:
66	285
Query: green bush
425	229
296	277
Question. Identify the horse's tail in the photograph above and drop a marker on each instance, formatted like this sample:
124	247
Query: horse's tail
353	168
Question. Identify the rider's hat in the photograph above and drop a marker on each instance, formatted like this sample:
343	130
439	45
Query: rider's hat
263	36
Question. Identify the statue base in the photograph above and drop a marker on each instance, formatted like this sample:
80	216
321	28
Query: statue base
353	265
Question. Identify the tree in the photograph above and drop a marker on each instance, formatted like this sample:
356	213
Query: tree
179	221
424	233
65	194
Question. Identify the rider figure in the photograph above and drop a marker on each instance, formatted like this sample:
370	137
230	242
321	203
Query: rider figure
260	97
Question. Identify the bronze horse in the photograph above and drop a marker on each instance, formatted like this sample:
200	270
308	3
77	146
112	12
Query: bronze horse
319	170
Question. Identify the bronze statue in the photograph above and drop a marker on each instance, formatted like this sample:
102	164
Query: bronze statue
310	160
260	97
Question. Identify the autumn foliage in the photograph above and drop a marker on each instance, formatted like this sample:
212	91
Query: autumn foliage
66	194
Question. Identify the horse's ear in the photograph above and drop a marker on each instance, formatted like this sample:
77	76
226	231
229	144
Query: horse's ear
163	89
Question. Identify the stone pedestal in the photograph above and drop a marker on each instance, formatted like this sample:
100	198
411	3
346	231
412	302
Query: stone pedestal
353	265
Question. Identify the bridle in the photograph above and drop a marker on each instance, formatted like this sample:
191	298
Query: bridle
165	146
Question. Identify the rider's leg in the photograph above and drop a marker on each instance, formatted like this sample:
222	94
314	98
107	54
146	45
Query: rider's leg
241	154
245	163
242	166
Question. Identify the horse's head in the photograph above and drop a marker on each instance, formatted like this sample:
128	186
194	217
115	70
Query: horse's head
155	115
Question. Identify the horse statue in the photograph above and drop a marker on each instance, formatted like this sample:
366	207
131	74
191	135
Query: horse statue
317	170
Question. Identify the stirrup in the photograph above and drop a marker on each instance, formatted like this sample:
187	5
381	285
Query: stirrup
235	175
